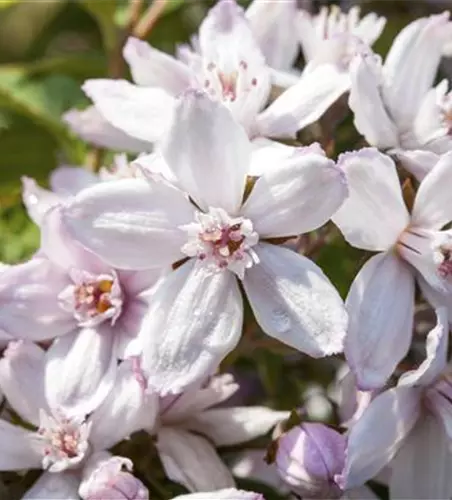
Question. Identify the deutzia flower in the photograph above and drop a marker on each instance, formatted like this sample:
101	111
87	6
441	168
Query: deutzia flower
61	444
394	105
230	68
95	310
225	494
216	235
410	428
380	302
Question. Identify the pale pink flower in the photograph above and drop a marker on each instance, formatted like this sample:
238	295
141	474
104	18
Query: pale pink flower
412	246
225	494
217	237
410	428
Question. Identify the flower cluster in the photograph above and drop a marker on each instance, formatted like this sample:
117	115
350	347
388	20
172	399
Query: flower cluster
150	272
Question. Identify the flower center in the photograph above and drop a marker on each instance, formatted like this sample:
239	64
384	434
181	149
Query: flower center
222	241
93	299
442	256
65	441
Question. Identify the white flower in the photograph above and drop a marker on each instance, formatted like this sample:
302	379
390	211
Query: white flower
197	316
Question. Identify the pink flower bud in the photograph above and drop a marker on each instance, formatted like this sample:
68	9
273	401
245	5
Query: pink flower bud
309	457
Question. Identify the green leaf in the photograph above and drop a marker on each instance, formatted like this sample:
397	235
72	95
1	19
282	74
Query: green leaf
104	12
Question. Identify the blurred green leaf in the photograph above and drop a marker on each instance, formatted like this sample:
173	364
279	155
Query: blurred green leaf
7	3
104	11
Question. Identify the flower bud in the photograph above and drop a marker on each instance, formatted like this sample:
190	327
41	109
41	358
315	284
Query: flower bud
309	457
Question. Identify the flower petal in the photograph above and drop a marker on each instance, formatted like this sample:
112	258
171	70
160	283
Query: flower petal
226	494
279	46
303	103
370	116
417	162
130	223
22	379
194	321
421	468
93	128
374	214
433	203
52	486
128	408
380	305
230	426
143	113
37	200
80	370
192	461
152	68
294	302
67	180
29	298
378	434
210	166
285	200
18	448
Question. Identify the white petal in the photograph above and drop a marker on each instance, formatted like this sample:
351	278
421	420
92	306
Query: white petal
435	361
130	223
128	408
418	162
294	302
378	434
18	450
433	203
230	426
366	102
93	128
143	113
303	103
280	46
412	63
192	461
194	321
307	34
285	200
374	214
67	181
22	379
80	370
226	494
421	468
37	200
380	305
152	68
50	486
208	152
369	28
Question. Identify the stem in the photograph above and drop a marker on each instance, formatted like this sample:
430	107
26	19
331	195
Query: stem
150	17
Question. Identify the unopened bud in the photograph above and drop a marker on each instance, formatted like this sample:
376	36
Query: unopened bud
309	457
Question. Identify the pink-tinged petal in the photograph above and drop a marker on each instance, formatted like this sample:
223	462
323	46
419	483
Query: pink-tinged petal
50	486
22	379
68	181
208	165
378	434
435	361
294	302
279	46
285	200
130	223
93	128
37	200
18	450
303	103
29	298
433	203
412	63
418	162
128	408
80	370
226	494
421	468
374	214
380	305
152	68
370	116
230	426
369	28
192	461
194	321
142	112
